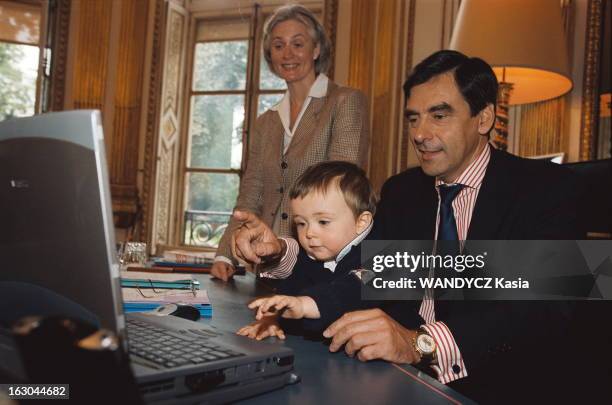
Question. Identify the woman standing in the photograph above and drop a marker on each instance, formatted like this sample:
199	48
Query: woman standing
315	121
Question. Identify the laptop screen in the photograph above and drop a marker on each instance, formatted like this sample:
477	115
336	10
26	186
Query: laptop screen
57	242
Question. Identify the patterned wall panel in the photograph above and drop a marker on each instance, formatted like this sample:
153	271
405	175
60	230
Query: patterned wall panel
590	84
151	118
330	22
60	26
169	126
405	141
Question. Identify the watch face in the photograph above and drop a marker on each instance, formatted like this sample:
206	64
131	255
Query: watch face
426	344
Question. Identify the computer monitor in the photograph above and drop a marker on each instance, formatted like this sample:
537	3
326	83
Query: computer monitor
58	255
57	243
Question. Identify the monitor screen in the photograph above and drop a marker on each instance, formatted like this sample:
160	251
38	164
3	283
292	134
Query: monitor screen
57	240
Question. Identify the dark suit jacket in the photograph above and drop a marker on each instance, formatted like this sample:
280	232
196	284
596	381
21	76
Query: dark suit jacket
334	292
520	199
505	345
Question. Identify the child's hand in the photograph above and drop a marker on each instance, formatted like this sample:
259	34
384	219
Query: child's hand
262	329
291	307
288	307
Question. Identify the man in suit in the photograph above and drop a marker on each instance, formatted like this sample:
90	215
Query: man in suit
464	190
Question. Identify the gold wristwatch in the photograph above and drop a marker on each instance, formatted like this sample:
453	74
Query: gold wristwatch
425	346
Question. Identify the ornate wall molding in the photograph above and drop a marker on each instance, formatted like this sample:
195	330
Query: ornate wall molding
330	16
592	53
152	118
405	140
59	44
166	187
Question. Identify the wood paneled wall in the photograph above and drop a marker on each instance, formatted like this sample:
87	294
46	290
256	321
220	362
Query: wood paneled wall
362	44
104	71
387	96
128	104
377	58
89	53
383	50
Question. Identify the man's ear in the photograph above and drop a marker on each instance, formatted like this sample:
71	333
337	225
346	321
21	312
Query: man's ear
363	221
486	119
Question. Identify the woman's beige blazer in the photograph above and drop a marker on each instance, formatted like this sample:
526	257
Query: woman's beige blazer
334	127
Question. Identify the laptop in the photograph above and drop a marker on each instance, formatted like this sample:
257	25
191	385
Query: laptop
58	255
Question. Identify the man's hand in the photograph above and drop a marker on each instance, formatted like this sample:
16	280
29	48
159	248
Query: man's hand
263	328
222	270
372	334
287	306
254	242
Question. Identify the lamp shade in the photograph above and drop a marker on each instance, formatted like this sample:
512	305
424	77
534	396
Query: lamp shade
523	37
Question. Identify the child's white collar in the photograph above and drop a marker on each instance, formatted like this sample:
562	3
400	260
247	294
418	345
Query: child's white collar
331	264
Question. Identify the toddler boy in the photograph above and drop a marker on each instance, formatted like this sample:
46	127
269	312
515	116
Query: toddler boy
333	206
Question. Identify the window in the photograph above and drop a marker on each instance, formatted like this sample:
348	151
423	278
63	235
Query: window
20	37
229	86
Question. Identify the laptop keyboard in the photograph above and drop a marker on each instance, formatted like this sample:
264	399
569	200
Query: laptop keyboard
171	349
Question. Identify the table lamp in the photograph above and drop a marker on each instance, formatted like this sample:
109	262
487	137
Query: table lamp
524	42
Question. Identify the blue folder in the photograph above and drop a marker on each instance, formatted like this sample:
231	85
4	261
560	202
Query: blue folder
205	310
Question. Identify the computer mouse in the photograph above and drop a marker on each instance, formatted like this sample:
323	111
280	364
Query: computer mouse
181	310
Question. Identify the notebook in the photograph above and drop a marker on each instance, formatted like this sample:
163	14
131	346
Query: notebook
58	250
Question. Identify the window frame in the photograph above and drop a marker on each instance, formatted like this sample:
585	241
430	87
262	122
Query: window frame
184	151
41	92
256	16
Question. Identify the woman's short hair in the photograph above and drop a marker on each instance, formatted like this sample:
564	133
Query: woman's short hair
352	181
314	27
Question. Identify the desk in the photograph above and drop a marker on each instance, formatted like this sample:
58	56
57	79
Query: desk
327	378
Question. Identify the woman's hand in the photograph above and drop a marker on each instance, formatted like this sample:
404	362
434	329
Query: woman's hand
222	270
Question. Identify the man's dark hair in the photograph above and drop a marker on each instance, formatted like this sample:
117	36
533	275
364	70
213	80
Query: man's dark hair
349	178
474	77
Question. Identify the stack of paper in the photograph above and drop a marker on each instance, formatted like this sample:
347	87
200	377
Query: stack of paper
144	292
185	258
160	281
